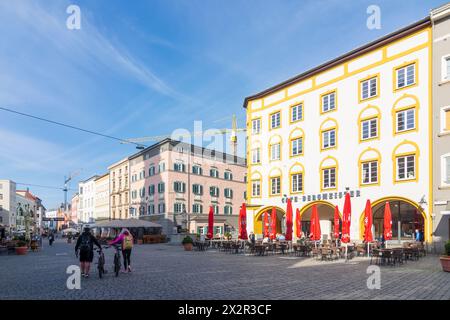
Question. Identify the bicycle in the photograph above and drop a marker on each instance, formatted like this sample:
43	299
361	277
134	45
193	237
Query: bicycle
117	262
101	263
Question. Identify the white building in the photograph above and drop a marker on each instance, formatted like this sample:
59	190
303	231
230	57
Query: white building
101	211
360	123
86	191
8	204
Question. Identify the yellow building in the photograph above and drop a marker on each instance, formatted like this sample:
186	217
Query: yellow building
119	189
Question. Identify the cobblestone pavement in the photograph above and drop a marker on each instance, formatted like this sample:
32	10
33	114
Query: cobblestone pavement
162	271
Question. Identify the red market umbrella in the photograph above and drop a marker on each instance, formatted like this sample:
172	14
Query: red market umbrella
273	229
368	237
266	224
337	219
209	235
387	226
243	223
298	220
346	219
315	224
289	220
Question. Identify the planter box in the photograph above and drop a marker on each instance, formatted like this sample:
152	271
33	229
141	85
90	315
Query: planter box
188	246
21	251
445	262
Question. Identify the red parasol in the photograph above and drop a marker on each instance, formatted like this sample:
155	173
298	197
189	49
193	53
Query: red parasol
243	223
315	224
387	222
368	237
273	229
209	235
266	224
337	218
298	220
289	220
346	219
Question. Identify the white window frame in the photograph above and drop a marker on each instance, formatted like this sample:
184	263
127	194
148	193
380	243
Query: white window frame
369	164
276	186
275	120
326	175
275	153
299	148
369	83
443	119
326	100
256	156
256	126
445	68
296	111
397	171
297	184
405	69
405	112
370	125
256	188
328	133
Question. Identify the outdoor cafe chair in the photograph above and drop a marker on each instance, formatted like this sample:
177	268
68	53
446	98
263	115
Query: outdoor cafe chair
397	256
325	253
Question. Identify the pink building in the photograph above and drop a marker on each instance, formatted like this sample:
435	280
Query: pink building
75	204
174	184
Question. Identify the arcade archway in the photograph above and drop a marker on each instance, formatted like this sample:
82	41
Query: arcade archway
326	218
258	220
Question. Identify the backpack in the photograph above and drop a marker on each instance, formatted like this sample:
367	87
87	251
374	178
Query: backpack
128	242
85	244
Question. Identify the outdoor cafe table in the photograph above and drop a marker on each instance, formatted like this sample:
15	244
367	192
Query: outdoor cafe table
260	249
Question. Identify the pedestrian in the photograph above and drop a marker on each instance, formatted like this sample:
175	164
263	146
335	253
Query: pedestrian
51	238
126	239
251	237
85	244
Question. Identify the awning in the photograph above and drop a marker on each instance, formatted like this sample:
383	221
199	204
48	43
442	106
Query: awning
126	223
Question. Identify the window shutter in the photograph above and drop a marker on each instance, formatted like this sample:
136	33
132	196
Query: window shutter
447	120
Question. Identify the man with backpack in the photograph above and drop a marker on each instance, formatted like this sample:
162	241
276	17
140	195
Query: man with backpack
85	244
126	239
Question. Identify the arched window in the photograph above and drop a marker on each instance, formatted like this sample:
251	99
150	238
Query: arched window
369	167
275	176
328	134
256	153
328	174
275	144
405	115
256	181
405	158
369	123
296	142
296	176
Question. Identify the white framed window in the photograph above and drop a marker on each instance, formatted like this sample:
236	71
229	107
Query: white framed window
329	102
214	191
197	189
445	170
329	138
179	187
297	112
406	120
228	193
161	187
329	178
275	120
369	172
406	76
228	210
369	129
151	171
161	208
161	167
275	151
215	209
256	156
256	188
179	207
406	167
227	175
369	88
256	126
180	167
297	146
214	173
151	209
275	185
151	189
197	208
297	182
446	68
197	170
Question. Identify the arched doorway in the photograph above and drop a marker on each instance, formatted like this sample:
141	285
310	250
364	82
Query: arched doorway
258	220
326	218
407	216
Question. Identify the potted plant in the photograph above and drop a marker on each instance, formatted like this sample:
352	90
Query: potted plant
445	259
21	247
187	243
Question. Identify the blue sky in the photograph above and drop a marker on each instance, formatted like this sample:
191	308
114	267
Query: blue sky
145	68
